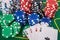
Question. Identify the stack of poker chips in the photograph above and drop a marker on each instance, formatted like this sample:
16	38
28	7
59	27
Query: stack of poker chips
9	6
10	28
15	5
6	6
51	8
37	7
33	19
26	6
20	16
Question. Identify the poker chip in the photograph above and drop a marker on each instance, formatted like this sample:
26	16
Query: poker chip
26	6
24	33
15	28
36	7
6	19
1	13
46	20
33	19
6	6
20	17
15	5
44	24
51	8
50	12
7	32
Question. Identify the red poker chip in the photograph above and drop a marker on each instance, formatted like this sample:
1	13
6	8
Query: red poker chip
52	2
26	6
49	12
52	15
51	8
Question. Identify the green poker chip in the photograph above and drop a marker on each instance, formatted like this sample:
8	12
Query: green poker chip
1	13
24	33
7	32
27	26
15	28
17	25
6	19
0	16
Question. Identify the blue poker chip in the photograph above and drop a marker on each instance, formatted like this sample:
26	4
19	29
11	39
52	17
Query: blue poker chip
33	19
46	20
20	16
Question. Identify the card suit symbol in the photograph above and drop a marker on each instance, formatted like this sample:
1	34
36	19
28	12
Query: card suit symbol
26	32
30	30
36	30
40	29
46	38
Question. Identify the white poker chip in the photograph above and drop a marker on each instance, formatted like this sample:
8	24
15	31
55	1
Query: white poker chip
43	24
6	6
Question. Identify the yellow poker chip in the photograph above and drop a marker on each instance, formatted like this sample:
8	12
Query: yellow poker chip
7	32
15	28
6	19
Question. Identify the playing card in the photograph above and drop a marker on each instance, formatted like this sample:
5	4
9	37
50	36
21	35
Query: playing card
27	32
32	32
48	33
35	30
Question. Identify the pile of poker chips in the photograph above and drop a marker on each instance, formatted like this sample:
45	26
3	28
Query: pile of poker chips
10	28
51	8
20	18
45	20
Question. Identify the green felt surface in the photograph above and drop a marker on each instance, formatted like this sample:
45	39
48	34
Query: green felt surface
52	25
